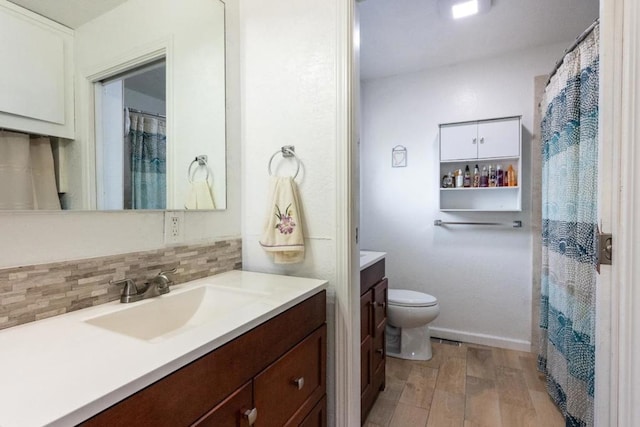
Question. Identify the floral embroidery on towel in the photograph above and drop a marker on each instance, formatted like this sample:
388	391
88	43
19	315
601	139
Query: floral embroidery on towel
286	224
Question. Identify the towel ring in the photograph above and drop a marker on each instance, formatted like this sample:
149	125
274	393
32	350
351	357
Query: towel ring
201	160
286	151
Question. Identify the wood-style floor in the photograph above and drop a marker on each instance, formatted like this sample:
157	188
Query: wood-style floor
465	385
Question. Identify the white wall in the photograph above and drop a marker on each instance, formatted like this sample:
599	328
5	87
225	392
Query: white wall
289	91
40	237
481	276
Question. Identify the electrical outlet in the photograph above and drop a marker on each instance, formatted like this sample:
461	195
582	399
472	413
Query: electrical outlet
173	227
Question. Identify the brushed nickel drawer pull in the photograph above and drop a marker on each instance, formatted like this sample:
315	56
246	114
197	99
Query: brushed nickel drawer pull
379	304
380	351
251	415
299	382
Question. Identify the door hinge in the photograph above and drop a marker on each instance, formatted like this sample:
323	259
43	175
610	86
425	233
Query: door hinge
605	249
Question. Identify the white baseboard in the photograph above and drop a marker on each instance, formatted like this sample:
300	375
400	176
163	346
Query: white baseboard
482	339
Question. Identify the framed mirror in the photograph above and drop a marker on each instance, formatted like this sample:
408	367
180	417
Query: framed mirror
148	96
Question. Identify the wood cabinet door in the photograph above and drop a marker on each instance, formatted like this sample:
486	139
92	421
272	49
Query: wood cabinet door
379	350
318	415
366	316
234	411
459	142
499	138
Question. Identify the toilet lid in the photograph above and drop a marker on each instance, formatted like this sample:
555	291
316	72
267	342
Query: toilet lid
409	298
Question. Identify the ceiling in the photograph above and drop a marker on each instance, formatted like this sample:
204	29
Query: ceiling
402	36
70	13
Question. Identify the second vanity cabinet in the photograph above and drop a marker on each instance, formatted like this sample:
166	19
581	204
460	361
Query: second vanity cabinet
273	375
373	321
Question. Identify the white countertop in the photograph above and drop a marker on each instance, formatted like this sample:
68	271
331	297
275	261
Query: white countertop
368	258
61	370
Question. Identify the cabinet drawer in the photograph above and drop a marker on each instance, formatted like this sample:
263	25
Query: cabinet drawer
287	390
231	412
380	305
371	275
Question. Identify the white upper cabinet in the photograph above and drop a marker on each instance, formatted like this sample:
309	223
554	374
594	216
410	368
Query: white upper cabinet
36	80
487	144
480	139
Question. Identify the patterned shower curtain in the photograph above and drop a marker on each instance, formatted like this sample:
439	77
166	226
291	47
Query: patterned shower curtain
148	141
569	231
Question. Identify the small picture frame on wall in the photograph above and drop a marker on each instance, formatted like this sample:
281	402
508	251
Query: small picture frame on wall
398	157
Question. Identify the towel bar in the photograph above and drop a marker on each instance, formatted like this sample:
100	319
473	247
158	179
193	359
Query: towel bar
514	224
286	151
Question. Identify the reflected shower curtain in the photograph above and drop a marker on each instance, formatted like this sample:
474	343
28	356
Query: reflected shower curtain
569	232
27	174
148	141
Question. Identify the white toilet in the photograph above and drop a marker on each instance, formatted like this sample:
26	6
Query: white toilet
408	316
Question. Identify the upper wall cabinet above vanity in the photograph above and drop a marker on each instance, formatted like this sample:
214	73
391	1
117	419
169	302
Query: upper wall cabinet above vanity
36	77
493	146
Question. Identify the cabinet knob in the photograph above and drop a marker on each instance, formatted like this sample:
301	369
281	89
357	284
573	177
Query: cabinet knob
299	382
482	140
251	415
475	140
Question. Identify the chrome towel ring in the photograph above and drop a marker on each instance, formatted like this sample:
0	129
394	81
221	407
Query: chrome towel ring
201	160
286	151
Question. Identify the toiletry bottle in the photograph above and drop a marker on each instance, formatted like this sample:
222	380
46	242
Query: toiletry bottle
499	176
484	178
466	182
492	176
513	177
476	177
459	179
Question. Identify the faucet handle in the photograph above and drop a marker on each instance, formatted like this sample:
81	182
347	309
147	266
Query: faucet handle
165	272
163	281
129	285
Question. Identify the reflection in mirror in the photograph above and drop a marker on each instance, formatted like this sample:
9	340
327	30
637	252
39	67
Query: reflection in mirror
131	109
106	56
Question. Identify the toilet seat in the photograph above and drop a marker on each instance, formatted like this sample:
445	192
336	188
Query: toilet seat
407	298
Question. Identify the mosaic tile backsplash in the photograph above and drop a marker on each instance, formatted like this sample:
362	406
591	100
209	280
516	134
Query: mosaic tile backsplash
36	292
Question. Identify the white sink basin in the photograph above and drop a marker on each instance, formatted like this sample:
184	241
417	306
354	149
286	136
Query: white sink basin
160	317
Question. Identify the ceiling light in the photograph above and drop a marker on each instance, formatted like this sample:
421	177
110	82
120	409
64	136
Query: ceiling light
467	8
456	9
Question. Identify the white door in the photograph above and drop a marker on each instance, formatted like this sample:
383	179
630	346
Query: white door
500	138
459	142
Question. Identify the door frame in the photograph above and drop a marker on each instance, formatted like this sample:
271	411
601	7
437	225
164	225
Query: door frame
618	378
621	123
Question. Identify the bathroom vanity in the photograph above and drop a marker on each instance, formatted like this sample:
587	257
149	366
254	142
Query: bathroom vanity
262	362
373	320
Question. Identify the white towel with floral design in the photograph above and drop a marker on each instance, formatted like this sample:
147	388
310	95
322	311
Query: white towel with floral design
282	235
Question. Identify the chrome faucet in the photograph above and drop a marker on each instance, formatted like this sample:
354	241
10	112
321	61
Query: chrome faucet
159	285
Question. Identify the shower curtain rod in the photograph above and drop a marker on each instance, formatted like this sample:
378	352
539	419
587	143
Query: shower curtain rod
577	41
133	110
